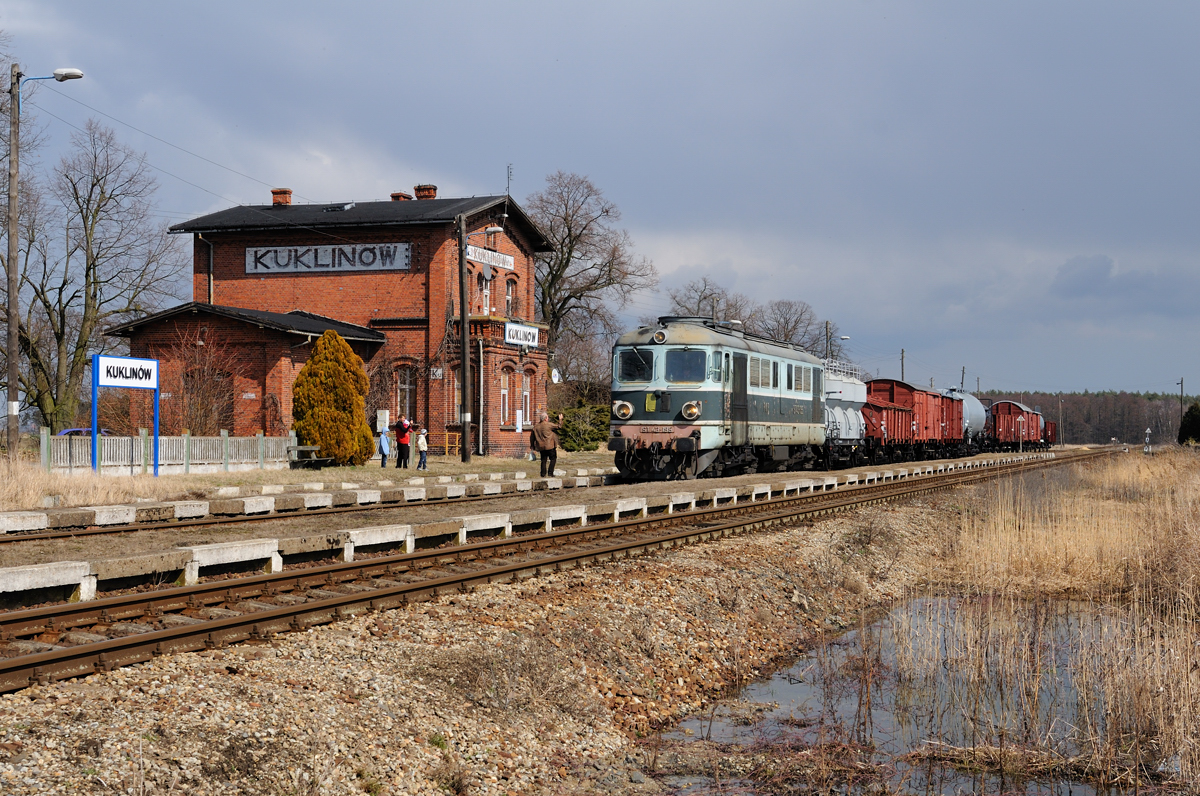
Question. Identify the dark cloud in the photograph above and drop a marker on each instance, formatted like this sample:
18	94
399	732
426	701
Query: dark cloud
926	173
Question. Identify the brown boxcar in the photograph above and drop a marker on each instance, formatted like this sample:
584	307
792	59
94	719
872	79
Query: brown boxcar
1051	433
887	424
1014	425
936	419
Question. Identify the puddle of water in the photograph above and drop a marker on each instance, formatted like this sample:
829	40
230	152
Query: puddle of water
935	674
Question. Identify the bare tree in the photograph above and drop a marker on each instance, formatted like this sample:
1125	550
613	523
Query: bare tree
584	358
787	320
592	262
199	373
705	298
96	257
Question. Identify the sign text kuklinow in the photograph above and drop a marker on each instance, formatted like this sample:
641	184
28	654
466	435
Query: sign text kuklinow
346	257
519	334
488	257
127	372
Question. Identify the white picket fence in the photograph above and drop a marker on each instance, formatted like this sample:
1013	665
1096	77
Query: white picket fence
185	454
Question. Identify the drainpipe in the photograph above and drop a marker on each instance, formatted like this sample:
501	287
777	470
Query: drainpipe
200	237
482	397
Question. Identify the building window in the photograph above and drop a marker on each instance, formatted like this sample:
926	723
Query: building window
485	295
504	375
526	401
406	392
510	295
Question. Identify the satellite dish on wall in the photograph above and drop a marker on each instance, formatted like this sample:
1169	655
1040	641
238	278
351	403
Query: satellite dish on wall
555	376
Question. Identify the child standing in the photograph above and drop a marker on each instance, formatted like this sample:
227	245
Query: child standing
384	447
423	449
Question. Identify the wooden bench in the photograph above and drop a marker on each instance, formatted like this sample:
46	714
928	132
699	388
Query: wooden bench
304	457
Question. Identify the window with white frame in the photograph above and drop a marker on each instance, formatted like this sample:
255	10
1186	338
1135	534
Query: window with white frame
510	296
526	399
504	376
406	391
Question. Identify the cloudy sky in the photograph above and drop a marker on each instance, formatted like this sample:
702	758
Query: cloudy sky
1011	187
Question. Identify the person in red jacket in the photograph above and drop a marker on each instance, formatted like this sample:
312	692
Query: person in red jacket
403	440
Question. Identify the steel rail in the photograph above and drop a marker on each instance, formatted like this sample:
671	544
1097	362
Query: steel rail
17	537
19	672
24	622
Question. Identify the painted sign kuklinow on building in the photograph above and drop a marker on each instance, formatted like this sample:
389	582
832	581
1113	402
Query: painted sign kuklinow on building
350	257
488	257
131	373
140	374
519	334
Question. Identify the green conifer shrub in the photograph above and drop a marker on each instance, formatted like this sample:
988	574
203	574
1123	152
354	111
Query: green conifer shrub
1189	429
584	427
328	402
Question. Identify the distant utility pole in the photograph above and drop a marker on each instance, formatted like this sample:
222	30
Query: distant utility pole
976	384
962	384
901	364
1181	401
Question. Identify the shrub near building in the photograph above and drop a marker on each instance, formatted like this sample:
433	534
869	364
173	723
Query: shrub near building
328	402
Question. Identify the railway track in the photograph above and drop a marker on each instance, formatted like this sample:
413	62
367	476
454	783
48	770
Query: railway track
17	537
76	639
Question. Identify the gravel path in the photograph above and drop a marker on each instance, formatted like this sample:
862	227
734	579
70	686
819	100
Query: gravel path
541	687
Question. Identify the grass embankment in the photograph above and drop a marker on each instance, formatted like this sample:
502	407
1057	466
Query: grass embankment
1104	685
26	486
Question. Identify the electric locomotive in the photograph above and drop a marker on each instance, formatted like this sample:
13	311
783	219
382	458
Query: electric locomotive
696	396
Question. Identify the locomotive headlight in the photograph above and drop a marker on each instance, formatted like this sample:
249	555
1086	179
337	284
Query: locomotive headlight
622	409
660	336
691	410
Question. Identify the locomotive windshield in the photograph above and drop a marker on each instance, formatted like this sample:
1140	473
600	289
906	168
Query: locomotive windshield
686	366
635	365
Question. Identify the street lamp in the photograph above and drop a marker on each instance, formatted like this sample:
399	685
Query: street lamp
464	365
14	284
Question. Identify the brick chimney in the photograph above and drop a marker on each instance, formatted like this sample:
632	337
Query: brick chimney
401	196
426	191
281	196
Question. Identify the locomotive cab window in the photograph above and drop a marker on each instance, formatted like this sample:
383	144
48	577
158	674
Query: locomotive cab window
635	365
686	366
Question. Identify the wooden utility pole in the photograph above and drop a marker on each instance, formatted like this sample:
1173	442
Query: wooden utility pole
901	364
14	284
464	349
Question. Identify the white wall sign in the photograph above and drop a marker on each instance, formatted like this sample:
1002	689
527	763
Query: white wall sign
127	372
519	334
477	254
348	257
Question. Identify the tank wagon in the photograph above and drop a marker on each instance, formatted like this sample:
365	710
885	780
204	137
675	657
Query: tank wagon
694	396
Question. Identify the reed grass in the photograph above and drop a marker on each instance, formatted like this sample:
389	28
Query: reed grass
1103	685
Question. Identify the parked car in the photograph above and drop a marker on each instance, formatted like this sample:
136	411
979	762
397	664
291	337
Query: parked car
82	432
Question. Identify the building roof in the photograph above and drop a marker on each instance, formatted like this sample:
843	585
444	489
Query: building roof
295	322
255	218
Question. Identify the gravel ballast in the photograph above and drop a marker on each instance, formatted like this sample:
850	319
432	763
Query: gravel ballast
545	686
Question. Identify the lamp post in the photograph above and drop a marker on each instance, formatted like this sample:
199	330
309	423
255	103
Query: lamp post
464	365
14	283
1021	434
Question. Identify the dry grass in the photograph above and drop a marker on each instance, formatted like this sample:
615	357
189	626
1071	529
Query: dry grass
1129	523
1105	686
25	487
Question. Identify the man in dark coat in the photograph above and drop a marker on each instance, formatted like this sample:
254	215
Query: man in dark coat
544	440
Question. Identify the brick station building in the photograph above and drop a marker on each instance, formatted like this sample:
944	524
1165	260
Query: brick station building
267	280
